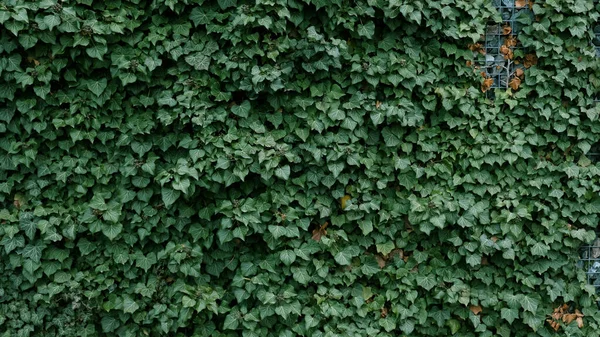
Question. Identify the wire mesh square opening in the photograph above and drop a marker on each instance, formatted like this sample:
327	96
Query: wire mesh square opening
594	153
495	53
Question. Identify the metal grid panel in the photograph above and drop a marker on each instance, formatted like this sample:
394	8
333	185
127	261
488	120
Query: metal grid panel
590	254
594	153
493	58
596	40
590	262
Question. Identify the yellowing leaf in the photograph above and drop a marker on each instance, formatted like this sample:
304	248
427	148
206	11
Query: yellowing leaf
344	199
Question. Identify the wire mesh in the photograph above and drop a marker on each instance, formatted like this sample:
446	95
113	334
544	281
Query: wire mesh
590	254
590	262
500	42
594	153
596	40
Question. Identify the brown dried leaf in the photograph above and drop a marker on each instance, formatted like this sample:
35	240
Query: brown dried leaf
317	233
476	47
506	30
384	312
579	322
519	72
407	225
380	261
510	41
530	60
397	252
475	309
557	313
506	52
520	3
487	84
568	318
554	325
515	83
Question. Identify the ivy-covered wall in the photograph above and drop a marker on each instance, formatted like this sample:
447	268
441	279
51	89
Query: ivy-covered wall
294	168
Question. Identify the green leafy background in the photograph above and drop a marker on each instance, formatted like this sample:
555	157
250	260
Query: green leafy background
164	164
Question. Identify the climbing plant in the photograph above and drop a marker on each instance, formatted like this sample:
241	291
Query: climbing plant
288	167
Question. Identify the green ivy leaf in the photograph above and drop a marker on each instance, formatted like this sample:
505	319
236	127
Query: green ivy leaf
33	250
97	86
224	4
426	281
454	325
231	321
129	305
509	314
277	231
301	275
112	230
52	21
287	257
529	304
97	51
27	41
20	14
188	302
385	248
283	172
198	61
344	257
388	324
145	261
367	30
109	324
12	243
539	249
169	196
241	110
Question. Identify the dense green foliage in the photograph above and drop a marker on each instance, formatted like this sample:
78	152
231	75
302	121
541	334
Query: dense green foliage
169	167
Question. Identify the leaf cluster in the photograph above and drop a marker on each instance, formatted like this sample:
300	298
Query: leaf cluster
286	167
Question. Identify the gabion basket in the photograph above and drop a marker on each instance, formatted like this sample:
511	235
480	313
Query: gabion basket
492	60
596	40
590	262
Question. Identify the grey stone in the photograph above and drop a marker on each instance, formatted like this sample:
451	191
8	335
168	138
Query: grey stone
594	269
596	249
